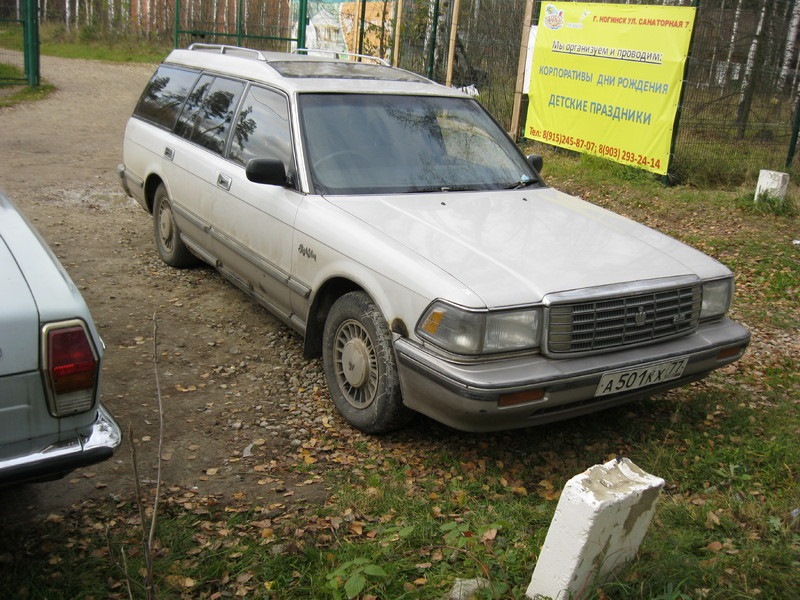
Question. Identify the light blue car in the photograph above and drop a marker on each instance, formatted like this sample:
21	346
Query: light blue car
51	419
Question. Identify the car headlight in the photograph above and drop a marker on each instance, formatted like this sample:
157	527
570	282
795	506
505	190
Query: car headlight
473	332
717	298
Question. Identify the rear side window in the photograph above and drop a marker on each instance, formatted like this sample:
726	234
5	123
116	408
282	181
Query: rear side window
164	95
208	113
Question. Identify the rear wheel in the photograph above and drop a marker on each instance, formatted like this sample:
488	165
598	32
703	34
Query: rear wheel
170	247
360	366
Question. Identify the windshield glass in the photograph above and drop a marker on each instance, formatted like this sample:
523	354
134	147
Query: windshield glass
376	143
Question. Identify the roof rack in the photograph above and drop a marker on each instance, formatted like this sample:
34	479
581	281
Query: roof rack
225	49
339	54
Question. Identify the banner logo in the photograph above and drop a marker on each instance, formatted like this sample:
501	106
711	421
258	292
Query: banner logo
553	18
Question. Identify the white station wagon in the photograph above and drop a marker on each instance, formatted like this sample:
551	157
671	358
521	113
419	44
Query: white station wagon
51	419
394	224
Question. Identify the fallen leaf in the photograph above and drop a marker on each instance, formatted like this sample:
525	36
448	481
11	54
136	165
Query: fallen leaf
712	520
244	577
489	535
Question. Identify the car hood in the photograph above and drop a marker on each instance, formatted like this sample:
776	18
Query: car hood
515	247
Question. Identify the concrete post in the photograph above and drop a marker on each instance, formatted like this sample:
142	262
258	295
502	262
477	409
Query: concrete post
600	521
773	183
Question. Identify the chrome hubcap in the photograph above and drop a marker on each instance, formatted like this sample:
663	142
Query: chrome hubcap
356	364
165	225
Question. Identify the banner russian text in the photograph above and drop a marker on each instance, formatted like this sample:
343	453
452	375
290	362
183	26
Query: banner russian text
606	79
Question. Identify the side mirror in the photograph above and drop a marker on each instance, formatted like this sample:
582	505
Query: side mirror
536	161
269	171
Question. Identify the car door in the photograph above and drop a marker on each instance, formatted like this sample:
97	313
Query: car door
253	223
201	134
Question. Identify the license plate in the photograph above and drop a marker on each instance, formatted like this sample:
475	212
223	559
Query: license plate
632	379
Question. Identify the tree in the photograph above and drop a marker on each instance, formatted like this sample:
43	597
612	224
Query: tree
748	81
790	47
737	15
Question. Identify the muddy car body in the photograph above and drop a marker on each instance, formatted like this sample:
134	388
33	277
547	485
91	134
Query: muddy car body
393	224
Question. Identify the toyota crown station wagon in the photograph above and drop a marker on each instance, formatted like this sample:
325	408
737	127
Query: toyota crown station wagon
51	418
395	225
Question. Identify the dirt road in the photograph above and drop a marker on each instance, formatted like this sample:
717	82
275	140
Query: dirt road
239	399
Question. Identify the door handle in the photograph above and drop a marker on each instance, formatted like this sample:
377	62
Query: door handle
224	182
169	153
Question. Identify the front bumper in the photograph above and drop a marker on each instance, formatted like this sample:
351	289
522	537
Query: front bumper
467	396
42	460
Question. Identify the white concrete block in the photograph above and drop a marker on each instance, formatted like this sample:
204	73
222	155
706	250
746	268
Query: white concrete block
600	521
773	183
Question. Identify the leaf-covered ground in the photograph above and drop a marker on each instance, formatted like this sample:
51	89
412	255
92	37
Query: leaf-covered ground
268	494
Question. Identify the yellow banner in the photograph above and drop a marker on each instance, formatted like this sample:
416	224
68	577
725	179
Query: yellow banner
606	79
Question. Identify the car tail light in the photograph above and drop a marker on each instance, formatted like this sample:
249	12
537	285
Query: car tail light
71	367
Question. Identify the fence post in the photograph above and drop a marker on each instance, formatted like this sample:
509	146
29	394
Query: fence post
397	29
301	24
239	22
451	49
677	123
432	49
522	65
177	23
362	26
793	140
30	42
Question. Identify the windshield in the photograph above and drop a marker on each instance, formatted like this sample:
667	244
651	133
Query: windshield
376	143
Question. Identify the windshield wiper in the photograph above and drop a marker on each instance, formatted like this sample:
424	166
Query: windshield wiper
444	188
523	182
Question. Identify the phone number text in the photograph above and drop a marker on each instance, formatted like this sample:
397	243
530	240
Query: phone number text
604	150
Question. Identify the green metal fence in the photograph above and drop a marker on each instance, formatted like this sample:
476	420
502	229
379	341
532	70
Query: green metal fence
19	51
263	25
739	103
741	106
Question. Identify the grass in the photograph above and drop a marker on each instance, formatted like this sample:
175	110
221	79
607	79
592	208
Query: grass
15	94
95	46
87	44
92	44
409	513
707	160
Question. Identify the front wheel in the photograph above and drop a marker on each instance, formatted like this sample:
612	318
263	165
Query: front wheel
359	366
170	247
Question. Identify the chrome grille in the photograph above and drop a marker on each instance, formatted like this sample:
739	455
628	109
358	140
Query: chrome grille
623	321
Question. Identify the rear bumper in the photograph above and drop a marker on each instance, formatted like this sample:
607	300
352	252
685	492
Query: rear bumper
467	396
132	185
42	460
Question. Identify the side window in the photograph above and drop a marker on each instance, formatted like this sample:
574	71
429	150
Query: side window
194	103
163	97
207	116
262	129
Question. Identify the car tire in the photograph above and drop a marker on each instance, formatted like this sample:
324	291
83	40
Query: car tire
360	367
170	247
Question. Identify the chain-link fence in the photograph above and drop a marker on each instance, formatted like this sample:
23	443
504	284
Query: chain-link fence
19	42
741	92
740	96
11	49
486	47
